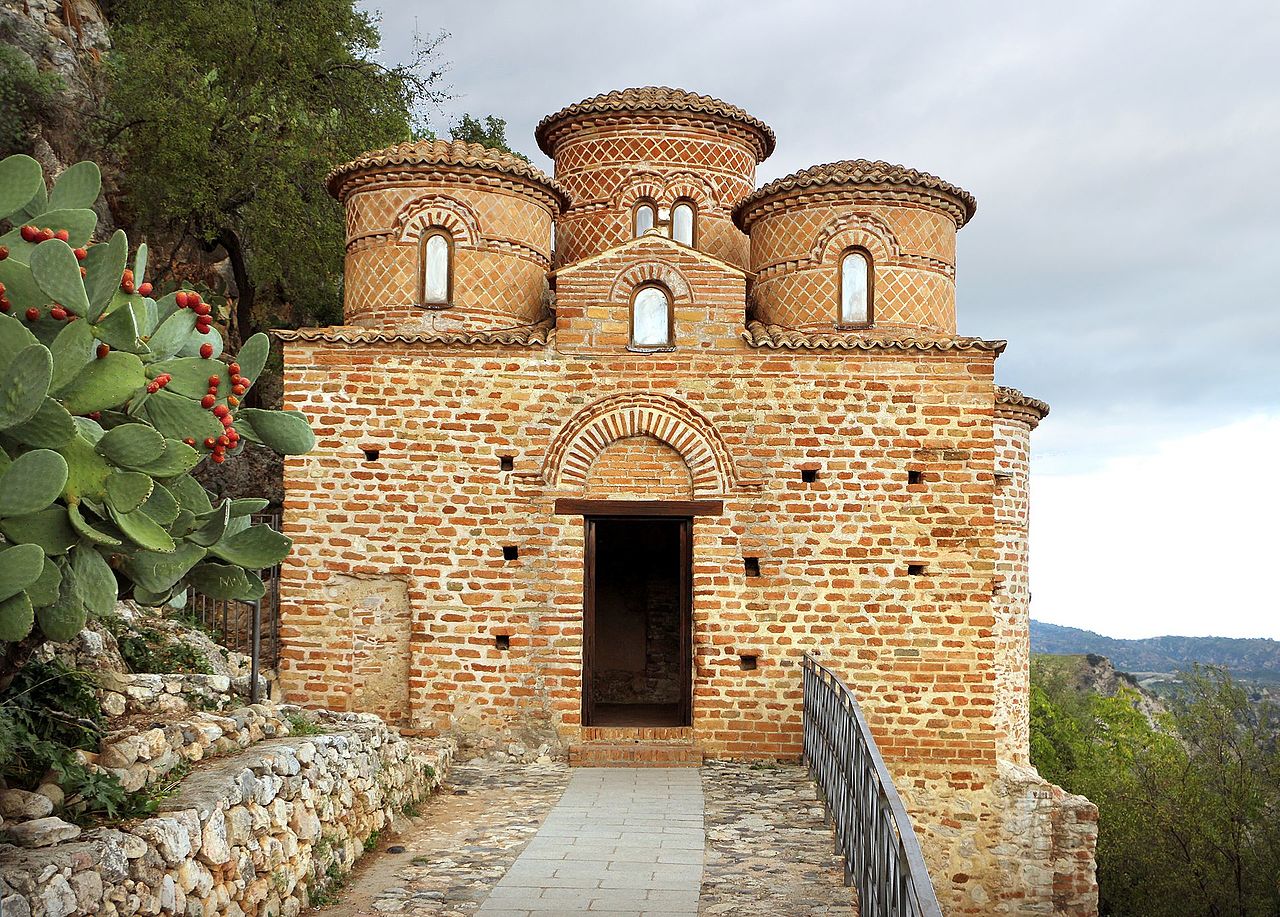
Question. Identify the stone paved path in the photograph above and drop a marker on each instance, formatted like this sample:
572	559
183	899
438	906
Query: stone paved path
621	841
503	839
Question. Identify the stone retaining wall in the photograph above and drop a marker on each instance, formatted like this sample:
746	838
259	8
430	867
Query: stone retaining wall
252	833
124	694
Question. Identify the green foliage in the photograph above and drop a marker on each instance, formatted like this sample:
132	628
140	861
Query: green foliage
1188	806
230	114
26	97
47	713
490	131
95	444
146	649
300	725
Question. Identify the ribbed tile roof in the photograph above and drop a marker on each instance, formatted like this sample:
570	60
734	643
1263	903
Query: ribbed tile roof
657	99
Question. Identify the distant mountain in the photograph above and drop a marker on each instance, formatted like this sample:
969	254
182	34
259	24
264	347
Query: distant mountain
1254	658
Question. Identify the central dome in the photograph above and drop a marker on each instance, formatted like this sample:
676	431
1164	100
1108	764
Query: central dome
656	100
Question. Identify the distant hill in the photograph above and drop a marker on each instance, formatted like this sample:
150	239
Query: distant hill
1255	658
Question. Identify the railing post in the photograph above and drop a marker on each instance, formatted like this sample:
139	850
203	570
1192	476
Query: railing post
257	651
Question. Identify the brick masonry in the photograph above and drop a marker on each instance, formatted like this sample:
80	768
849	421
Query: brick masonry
914	591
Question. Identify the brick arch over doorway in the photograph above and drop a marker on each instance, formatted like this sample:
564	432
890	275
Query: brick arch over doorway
593	429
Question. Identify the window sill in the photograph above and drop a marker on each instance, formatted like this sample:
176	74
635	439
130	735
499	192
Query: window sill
635	349
854	326
435	306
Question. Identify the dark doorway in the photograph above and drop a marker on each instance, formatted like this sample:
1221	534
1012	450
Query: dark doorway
637	642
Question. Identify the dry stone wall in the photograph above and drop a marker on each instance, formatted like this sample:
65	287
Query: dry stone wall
253	833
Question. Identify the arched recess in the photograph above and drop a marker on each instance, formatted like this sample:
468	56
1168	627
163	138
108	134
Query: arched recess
593	429
437	210
855	230
639	185
651	271
691	186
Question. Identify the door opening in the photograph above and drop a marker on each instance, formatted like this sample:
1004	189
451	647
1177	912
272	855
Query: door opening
638	646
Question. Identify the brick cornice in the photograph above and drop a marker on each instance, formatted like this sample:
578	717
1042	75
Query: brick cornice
1012	404
353	335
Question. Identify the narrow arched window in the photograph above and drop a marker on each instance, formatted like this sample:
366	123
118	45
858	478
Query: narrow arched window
683	219
651	317
855	287
644	216
437	267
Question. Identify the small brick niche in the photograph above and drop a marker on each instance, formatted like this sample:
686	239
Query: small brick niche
915	569
751	566
915	476
809	475
749	662
371	455
507	462
502	641
510	552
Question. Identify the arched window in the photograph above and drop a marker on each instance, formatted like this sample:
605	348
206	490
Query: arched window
683	222
856	286
437	267
644	215
651	317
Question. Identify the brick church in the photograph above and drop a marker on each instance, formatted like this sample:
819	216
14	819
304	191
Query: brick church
602	455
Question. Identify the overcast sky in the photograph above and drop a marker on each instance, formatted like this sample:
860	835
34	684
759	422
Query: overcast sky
1125	159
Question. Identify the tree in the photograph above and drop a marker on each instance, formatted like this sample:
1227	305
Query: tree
491	131
226	116
1188	807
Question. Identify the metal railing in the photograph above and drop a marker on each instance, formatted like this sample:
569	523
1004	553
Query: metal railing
252	628
882	857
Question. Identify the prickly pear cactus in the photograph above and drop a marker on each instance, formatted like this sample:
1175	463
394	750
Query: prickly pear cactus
108	399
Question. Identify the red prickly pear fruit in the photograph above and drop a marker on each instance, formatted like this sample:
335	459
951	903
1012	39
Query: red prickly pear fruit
4	252
181	298
3	289
57	313
189	441
5	305
103	350
145	289
206	351
83	273
237	389
210	442
214	380
94	415
127	275
234	369
46	234
233	401
226	420
63	235
201	308
127	286
224	441
207	402
33	314
29	233
80	253
152	388
220	410
219	458
193	298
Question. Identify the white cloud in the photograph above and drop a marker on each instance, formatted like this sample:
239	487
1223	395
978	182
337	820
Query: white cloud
1181	539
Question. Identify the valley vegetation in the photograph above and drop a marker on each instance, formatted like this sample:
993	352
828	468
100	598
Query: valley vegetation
1188	796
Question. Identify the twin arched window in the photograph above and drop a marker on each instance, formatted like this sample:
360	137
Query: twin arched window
684	220
651	318
856	287
436	267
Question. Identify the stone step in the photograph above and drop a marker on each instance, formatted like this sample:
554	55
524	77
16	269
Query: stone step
635	754
650	735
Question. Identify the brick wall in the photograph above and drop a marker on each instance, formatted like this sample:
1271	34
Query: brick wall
435	511
639	465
